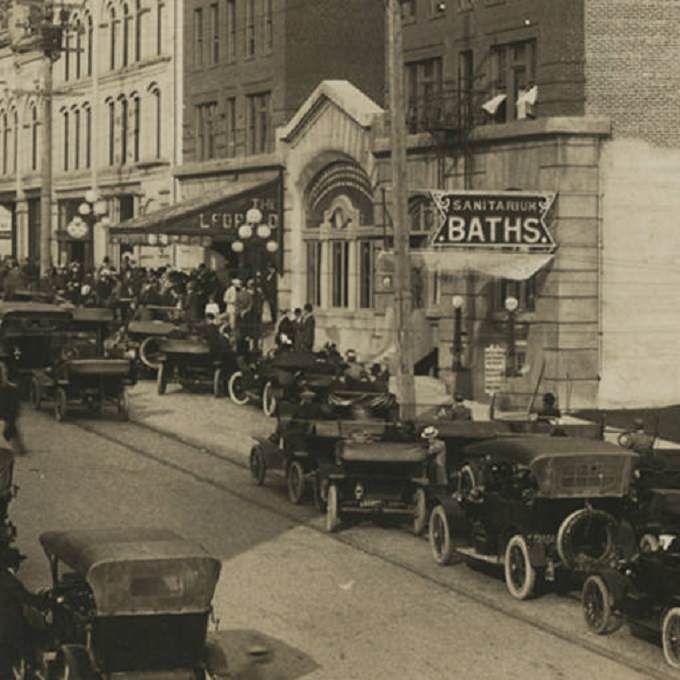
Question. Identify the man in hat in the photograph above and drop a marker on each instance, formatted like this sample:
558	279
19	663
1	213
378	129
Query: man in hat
637	439
460	411
354	371
231	302
436	452
285	330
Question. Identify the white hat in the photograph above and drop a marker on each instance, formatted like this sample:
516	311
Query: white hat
236	282
430	432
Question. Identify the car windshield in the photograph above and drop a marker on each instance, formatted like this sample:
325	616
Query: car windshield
80	345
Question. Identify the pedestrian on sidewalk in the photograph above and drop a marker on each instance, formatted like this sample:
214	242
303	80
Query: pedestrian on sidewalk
307	329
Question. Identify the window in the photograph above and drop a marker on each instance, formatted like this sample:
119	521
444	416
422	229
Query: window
88	136
112	132
231	127
156	94
124	112
514	70
136	125
79	47
159	26
112	39
250	28
340	273
314	269
90	39
127	19
206	115
34	138
15	146
76	139
423	87
366	269
408	10
215	24
198	37
259	122
268	25
66	139
524	291
139	18
231	30
4	122
67	54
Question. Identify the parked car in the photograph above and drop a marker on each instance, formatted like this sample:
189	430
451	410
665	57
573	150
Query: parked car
533	504
145	336
126	603
644	591
81	374
30	334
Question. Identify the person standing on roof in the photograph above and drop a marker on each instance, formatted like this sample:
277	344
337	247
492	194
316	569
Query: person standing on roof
637	439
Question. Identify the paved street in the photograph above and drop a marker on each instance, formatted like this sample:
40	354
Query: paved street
368	602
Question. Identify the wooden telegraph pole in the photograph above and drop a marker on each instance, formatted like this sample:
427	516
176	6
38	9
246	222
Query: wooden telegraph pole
402	269
46	169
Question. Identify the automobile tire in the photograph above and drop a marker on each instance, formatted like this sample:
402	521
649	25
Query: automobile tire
295	478
258	465
60	404
420	512
564	543
161	379
332	509
149	351
319	495
470	481
649	544
269	401
670	637
123	405
440	536
35	394
598	606
520	574
218	383
237	392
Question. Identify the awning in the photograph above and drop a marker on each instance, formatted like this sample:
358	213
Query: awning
515	265
206	219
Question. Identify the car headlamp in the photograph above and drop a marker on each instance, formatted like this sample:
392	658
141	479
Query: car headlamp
359	491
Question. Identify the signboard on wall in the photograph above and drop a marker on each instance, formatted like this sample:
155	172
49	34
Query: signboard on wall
494	219
495	364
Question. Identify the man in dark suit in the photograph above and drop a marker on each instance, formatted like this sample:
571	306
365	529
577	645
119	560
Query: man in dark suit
307	329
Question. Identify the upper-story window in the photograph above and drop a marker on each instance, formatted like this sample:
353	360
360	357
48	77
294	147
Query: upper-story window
198	36
112	131
79	48
66	139
34	137
127	21
158	116
136	128
250	28
124	129
231	30
408	10
423	87
113	45
90	44
231	127
139	27
514	72
259	122
206	131
67	53
268	25
76	139
160	11
215	29
88	135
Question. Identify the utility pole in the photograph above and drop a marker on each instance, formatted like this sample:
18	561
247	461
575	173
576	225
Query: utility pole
46	171
402	268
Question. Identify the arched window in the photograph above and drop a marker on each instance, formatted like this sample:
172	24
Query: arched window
66	139
124	129
15	150
112	38
126	35
67	53
90	41
160	5
112	131
34	137
5	148
139	19
136	127
76	139
79	47
88	135
158	120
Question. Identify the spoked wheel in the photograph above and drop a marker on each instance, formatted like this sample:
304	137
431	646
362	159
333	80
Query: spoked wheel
258	465
670	637
520	574
597	605
440	536
123	405
296	482
420	514
149	352
237	389
332	509
60	404
161	379
269	401
35	394
218	383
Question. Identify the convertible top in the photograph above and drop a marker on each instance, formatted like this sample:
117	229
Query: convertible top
138	570
92	315
33	308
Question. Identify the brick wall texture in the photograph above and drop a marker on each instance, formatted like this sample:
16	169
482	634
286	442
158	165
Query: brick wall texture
632	74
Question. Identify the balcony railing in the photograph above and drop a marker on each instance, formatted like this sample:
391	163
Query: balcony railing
448	108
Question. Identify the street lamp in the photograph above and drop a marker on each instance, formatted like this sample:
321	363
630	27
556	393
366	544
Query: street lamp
260	233
457	302
92	211
511	306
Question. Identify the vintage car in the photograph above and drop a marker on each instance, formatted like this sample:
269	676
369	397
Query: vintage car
643	590
533	504
29	332
271	379
81	374
144	337
192	358
126	603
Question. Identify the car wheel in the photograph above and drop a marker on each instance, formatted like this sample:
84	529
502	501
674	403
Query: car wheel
296	482
218	383
670	637
420	513
60	404
161	379
332	509
269	401
258	465
520	574
236	388
35	394
597	605
123	405
440	536
469	481
586	537
149	352
320	494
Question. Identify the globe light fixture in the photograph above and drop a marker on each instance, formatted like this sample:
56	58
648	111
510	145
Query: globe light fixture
91	196
272	246
263	231
237	246
457	301
105	221
245	231
511	304
100	208
84	209
254	216
387	281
